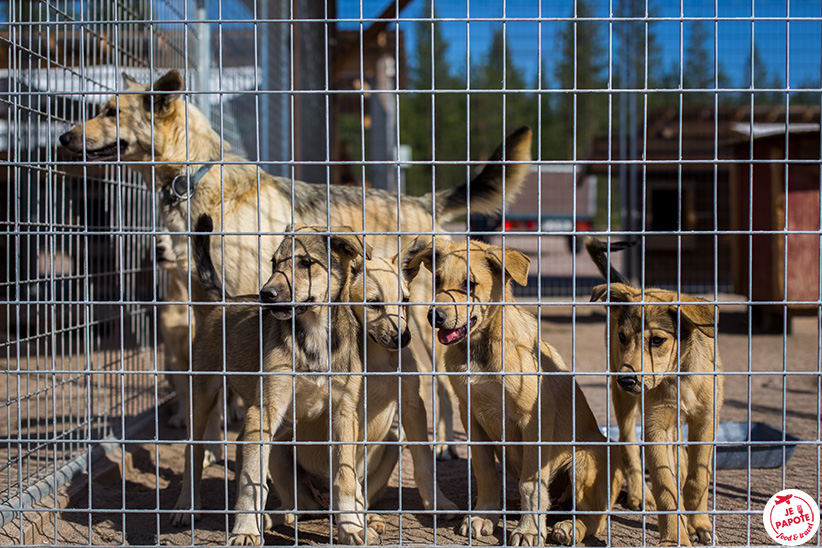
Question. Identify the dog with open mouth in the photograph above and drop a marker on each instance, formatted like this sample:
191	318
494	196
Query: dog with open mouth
486	337
154	130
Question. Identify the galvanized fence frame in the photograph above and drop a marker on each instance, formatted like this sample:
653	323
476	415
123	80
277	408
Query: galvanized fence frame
81	347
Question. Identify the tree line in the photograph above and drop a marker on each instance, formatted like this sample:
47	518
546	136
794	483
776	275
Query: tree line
451	124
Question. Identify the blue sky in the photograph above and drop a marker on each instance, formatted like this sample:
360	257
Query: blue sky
779	43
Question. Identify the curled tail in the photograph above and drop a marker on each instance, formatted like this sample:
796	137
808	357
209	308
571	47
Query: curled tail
598	250
485	191
209	279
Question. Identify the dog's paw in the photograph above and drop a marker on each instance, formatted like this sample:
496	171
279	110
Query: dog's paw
352	531
446	452
563	533
184	518
476	527
525	536
245	539
702	535
212	455
184	514
177	421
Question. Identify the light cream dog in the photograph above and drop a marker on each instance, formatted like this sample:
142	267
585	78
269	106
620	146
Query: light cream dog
319	348
655	336
507	397
382	284
169	137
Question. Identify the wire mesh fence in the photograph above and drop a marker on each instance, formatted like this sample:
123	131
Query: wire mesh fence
325	398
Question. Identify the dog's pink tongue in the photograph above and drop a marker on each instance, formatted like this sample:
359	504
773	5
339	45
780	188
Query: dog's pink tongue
446	336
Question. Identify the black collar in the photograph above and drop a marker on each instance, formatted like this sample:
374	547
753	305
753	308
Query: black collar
182	187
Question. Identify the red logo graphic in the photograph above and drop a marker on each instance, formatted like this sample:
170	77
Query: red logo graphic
791	517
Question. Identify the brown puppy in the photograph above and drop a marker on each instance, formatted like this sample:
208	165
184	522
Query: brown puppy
502	347
155	126
322	339
382	284
652	341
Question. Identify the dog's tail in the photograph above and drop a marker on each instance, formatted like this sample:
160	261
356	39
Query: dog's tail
485	191
598	250
209	279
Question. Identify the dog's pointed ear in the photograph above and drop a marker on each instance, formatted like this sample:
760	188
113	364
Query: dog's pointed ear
517	263
165	91
349	245
423	256
409	252
699	316
130	84
619	293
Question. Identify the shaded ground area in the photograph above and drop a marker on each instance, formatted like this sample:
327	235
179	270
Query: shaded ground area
757	389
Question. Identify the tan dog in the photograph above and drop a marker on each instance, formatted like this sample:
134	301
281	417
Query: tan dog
170	137
649	345
320	346
176	327
507	355
382	284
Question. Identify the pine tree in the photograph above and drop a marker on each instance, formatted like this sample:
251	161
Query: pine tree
581	66
487	108
445	113
698	65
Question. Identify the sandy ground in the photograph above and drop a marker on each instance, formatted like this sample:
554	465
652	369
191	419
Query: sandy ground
757	389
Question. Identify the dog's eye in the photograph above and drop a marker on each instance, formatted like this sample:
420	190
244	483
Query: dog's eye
657	341
305	262
406	299
622	338
110	112
374	305
466	285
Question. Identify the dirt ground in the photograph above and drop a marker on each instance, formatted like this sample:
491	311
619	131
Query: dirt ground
757	389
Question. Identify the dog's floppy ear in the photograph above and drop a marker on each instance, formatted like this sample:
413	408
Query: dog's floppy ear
130	84
698	316
620	293
165	91
410	252
517	263
348	245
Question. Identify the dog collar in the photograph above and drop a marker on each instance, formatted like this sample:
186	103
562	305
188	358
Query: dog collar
182	187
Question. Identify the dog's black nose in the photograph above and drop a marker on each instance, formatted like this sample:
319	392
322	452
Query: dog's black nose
269	295
627	382
65	139
406	338
436	317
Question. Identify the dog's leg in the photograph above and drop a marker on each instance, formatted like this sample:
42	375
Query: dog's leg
415	425
283	473
662	462
532	528
214	431
179	383
695	491
202	407
347	495
386	460
261	421
591	492
626	407
483	520
445	417
444	391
